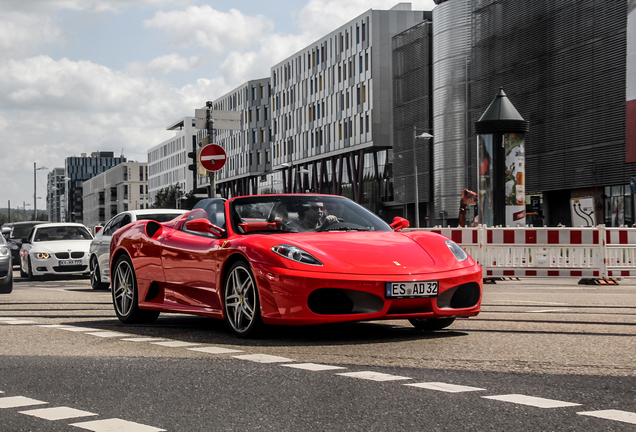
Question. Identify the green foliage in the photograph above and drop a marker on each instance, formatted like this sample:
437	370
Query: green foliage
167	198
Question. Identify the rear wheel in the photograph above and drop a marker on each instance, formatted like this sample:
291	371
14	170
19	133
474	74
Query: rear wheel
125	295
431	324
242	307
96	276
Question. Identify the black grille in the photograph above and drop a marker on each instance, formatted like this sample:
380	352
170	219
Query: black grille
70	269
62	255
77	254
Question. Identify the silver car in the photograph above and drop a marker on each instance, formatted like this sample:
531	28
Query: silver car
6	268
99	250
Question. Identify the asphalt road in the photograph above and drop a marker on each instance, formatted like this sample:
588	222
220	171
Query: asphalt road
544	355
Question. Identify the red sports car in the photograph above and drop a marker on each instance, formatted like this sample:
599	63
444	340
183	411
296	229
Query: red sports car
290	259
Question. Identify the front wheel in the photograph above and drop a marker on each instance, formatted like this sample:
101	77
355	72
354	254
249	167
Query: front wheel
96	277
242	307
125	295
431	324
30	274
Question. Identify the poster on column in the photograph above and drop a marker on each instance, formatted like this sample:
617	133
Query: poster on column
486	177
515	161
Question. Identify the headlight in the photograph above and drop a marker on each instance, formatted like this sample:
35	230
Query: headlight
295	254
459	253
4	251
42	255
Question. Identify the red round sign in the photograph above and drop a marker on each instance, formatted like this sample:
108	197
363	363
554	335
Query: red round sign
212	157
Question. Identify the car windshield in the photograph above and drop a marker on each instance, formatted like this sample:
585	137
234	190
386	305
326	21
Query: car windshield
158	217
21	231
267	214
58	233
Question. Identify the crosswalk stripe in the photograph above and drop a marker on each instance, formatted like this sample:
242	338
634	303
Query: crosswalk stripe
58	413
263	358
622	416
115	424
374	376
175	344
19	401
215	350
312	366
449	388
531	401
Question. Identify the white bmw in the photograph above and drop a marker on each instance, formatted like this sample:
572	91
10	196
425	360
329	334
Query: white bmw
55	249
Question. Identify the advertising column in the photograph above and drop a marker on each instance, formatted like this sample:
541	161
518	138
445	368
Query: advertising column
502	176
630	102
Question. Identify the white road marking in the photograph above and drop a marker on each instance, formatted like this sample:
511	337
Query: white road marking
175	344
17	322
58	413
79	329
115	425
548	310
215	350
312	366
7	318
449	388
621	416
108	334
531	401
18	401
263	358
374	376
531	301
143	339
51	325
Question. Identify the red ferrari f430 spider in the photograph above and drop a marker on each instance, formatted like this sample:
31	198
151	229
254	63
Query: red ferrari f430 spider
292	259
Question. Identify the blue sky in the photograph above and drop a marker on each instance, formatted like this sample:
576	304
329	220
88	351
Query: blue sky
77	76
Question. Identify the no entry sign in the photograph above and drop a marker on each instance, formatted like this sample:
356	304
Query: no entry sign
212	157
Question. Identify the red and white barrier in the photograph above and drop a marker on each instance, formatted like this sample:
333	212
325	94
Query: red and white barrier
597	252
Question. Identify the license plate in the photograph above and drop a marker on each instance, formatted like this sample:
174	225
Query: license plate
412	289
70	262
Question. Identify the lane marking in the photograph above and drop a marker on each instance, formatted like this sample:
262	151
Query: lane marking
19	401
79	329
108	334
215	350
175	344
312	366
621	416
548	310
51	325
17	322
374	376
144	339
448	388
116	425
263	358
531	401
58	413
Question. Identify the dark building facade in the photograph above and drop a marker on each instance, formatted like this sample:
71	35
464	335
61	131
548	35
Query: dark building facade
78	170
563	66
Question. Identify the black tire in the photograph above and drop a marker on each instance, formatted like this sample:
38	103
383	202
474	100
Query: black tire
241	302
431	324
125	294
95	275
30	274
7	287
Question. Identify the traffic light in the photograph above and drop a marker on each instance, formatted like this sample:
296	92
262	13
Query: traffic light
192	156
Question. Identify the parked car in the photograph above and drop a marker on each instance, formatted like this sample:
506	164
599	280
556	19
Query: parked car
6	268
55	249
19	230
292	259
100	246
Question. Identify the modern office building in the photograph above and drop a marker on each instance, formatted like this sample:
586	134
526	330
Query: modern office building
78	169
563	67
121	188
247	149
55	195
168	161
332	110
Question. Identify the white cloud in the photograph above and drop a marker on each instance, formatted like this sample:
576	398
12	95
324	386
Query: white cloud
211	29
165	64
22	35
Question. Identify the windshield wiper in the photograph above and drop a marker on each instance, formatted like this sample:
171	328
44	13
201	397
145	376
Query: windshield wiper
346	229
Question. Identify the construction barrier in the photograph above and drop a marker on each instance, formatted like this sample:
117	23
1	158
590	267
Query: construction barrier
594	254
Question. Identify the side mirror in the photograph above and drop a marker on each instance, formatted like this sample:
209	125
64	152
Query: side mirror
25	240
399	223
204	226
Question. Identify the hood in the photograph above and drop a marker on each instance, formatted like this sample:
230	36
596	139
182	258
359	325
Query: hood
61	246
367	253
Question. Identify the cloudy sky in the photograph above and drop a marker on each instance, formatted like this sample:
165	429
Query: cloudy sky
77	76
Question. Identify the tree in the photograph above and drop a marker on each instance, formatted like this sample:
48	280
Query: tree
167	198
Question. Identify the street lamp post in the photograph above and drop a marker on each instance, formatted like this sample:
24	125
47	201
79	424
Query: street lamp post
35	204
417	191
